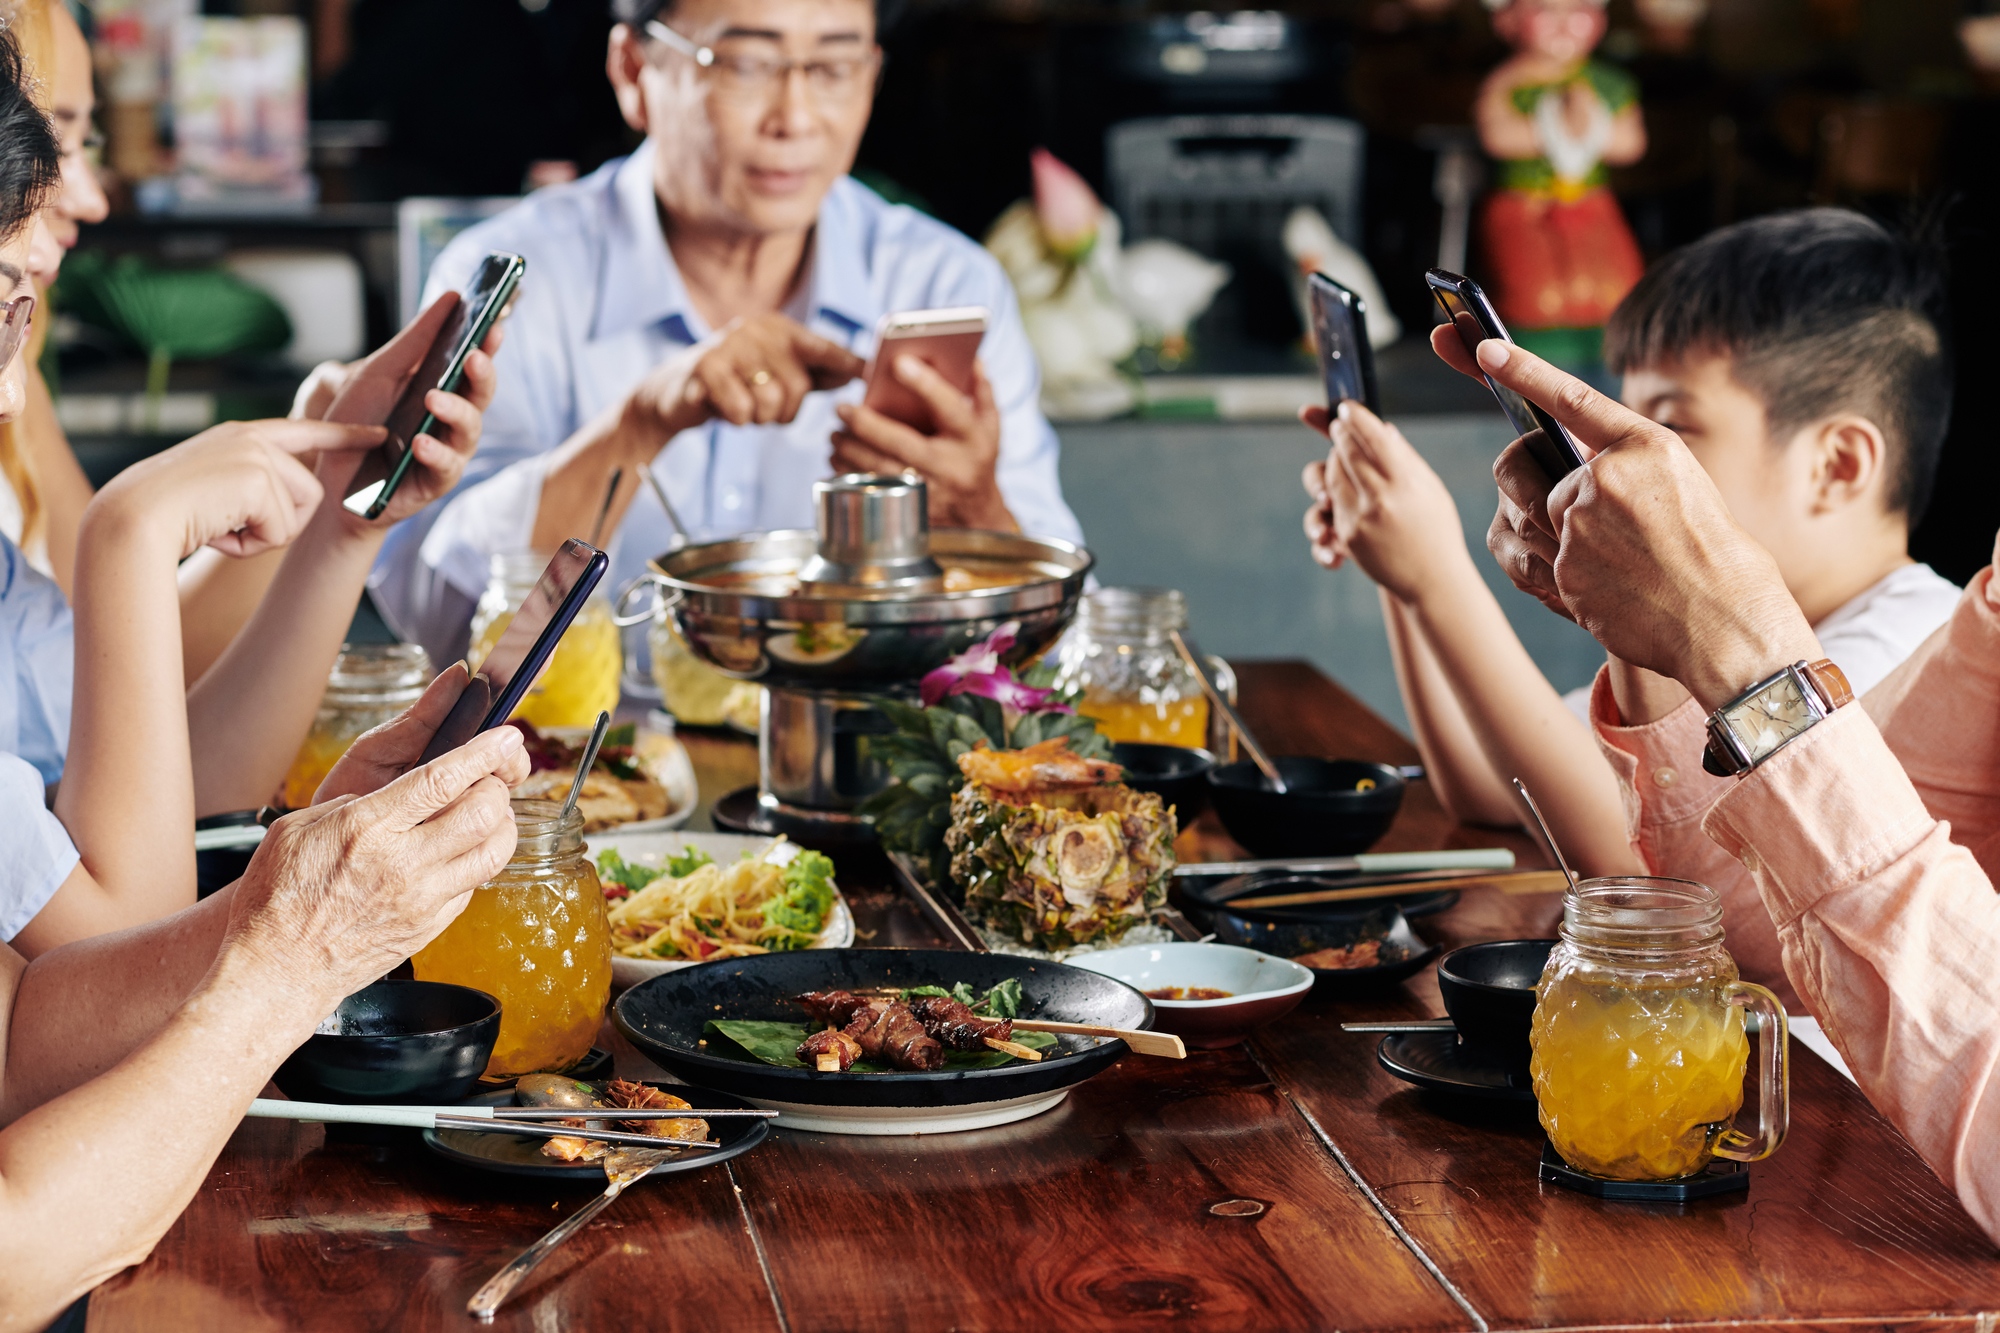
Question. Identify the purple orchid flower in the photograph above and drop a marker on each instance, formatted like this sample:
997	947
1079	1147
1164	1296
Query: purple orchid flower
978	671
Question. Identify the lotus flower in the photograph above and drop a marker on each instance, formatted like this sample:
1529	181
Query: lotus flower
978	671
1067	209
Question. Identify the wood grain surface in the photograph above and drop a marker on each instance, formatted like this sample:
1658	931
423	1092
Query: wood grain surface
1381	1207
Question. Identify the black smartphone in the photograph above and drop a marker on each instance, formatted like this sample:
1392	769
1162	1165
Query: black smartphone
503	679
1340	328
479	309
1466	306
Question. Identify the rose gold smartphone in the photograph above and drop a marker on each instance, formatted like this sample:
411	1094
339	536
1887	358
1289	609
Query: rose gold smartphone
946	340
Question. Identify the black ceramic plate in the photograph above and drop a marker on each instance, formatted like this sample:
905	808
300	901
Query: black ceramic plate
664	1018
1439	1062
515	1156
1338	982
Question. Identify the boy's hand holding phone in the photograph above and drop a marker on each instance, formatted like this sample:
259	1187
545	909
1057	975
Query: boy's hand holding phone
959	464
1380	504
369	389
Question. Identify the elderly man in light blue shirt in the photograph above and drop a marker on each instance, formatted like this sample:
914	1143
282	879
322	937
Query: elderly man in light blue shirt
702	308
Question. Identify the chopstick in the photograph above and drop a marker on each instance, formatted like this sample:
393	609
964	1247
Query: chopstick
1142	1043
1520	882
470	1119
1368	863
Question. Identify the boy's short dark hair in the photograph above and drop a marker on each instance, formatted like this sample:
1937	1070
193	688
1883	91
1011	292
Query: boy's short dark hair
1820	311
30	158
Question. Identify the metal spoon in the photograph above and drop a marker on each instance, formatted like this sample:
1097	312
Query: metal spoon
622	1167
659	491
1548	838
1220	703
583	767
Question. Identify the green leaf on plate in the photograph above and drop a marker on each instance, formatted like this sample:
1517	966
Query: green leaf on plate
778	1044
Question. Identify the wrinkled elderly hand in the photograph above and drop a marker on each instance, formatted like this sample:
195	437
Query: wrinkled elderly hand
369	389
960	464
340	893
1380	504
1637	546
753	371
380	756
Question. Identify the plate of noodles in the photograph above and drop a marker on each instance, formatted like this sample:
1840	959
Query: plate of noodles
677	899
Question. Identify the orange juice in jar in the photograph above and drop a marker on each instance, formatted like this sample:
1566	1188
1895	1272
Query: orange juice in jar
1135	684
536	938
370	684
581	679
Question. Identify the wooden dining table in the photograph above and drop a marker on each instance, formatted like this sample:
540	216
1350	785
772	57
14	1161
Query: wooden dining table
1288	1183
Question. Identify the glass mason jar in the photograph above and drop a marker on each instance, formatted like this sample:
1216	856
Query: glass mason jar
537	939
1639	1047
370	683
581	680
1134	682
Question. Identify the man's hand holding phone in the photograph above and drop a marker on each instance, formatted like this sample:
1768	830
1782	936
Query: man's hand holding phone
959	464
755	371
369	389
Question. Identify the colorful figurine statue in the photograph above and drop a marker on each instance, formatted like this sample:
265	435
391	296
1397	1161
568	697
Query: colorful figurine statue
1558	255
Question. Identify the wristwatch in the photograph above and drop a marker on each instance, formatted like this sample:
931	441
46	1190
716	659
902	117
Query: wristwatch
1771	714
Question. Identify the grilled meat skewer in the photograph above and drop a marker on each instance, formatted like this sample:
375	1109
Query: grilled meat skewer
954	1024
830	1042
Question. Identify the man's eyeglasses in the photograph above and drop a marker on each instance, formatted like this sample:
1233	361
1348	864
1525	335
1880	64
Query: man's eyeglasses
746	78
15	316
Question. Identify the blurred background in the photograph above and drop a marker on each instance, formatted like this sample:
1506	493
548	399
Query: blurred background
323	150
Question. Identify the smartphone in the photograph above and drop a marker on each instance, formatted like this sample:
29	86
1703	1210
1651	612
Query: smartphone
1340	329
510	669
947	340
479	309
1466	306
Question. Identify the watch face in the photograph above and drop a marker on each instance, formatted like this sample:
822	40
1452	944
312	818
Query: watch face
1770	717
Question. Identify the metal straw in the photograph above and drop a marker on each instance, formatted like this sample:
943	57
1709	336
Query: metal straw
1220	702
1548	838
604	510
680	528
583	767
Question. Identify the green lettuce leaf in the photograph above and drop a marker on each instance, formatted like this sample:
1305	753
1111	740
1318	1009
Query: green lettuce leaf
778	1043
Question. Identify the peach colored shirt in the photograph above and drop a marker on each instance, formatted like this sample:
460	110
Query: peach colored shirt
1888	930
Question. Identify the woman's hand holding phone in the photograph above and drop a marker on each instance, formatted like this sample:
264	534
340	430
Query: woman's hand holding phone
367	390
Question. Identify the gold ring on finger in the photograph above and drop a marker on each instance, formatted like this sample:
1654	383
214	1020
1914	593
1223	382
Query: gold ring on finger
760	378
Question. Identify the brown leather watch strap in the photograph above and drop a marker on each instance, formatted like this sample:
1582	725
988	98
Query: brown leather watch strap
1831	682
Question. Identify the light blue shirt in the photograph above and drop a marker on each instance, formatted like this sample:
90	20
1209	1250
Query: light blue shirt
37	654
602	305
36	856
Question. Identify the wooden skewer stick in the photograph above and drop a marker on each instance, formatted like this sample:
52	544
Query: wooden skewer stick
1142	1043
829	1062
1516	883
1015	1049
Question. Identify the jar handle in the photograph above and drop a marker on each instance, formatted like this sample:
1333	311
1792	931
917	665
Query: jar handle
1774	1078
624	619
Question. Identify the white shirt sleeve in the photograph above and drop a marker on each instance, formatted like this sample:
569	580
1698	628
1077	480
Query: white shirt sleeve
36	856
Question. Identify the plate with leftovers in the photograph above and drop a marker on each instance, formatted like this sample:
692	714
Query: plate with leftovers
677	899
882	1041
642	780
581	1157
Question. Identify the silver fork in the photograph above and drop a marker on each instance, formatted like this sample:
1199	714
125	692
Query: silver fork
622	1167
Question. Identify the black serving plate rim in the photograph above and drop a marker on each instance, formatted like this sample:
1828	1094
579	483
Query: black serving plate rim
704	1098
1081	1058
1432	1083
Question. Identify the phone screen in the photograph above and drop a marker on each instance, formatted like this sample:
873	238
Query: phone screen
508	671
443	367
1475	322
1340	330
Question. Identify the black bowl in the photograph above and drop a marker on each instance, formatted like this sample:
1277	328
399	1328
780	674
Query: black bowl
424	1043
1323	814
1177	774
219	867
664	1017
1489	991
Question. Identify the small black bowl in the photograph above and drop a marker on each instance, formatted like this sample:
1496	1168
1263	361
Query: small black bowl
219	867
1325	812
1489	991
1175	773
422	1043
